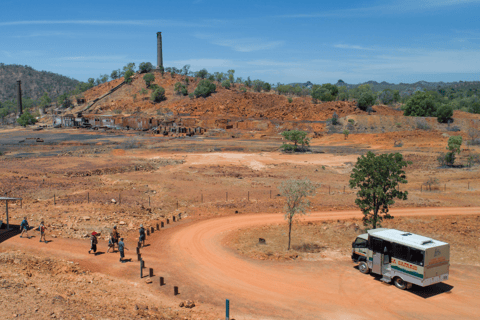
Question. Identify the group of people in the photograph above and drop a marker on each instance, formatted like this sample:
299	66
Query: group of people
116	240
112	241
24	227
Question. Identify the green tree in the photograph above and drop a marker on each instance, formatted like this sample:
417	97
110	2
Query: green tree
367	100
454	145
444	113
45	100
298	137
186	70
346	133
162	70
128	76
226	84
180	89
204	88
296	202
386	96
115	74
3	113
266	87
333	89
231	76
202	74
321	93
421	104
26	119
145	67
158	95
149	78
129	67
378	178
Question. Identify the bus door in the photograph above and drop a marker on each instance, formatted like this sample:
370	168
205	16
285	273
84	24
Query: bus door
381	255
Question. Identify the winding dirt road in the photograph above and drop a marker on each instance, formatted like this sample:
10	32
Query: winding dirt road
194	256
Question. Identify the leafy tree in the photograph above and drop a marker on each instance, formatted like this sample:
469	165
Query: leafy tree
346	133
248	82
298	137
321	93
219	76
115	74
296	202
104	78
3	113
396	95
231	76
367	100
128	76
45	100
332	88
211	77
26	119
91	81
149	78
162	70
187	80
129	67
342	93
444	113
158	95
377	177
202	74
454	144
145	67
226	84
266	87
421	104
257	85
180	89
386	96
172	73
186	69
204	88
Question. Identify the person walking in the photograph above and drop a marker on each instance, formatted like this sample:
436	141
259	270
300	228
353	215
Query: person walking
141	239
115	237
42	229
93	243
121	247
24	227
111	243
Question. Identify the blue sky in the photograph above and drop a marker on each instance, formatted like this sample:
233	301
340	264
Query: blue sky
276	41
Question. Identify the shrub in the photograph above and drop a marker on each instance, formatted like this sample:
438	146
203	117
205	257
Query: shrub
334	119
204	88
367	99
287	147
226	84
26	119
180	89
149	78
117	111
444	113
191	95
158	95
431	182
297	137
267	87
187	80
422	124
145	67
346	133
128	76
172	74
441	159
243	89
143	91
351	121
290	100
421	104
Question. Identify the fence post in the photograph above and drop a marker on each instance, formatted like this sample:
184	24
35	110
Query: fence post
149	201
54	200
88	197
270	194
227	309
119	198
226	196
248	196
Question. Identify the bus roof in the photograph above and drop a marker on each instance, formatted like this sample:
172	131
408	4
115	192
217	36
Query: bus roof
406	238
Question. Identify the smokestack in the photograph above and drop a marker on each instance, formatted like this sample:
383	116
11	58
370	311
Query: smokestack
19	98
159	50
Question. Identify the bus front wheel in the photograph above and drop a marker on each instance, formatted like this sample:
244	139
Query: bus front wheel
363	267
400	284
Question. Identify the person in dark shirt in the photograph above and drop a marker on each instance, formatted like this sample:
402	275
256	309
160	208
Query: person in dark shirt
121	248
42	232
141	239
115	237
93	242
24	227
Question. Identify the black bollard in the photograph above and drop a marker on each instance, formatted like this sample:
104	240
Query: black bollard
173	218
150	273
148	232
138	249
142	264
162	281
152	229
139	257
175	290
141	271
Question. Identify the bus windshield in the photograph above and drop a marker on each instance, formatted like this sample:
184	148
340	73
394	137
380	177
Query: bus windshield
360	243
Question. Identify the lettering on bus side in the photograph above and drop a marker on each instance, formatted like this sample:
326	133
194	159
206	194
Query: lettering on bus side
404	264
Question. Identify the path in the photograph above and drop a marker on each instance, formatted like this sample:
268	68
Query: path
192	256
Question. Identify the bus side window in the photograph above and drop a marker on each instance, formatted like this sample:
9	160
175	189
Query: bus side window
400	251
376	245
416	256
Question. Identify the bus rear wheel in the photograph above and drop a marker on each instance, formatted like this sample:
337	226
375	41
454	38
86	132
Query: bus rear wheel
400	284
363	267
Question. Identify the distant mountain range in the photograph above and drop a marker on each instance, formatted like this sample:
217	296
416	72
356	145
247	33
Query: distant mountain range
34	83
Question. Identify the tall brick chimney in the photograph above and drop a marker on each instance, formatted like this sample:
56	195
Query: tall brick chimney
19	97
159	50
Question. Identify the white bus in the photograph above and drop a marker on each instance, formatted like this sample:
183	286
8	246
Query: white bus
402	257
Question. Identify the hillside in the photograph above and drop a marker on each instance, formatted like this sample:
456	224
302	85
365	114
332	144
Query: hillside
34	83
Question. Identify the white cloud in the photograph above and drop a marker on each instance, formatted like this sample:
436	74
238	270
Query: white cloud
348	46
242	44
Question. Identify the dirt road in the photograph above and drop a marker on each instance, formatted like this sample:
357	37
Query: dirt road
194	256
